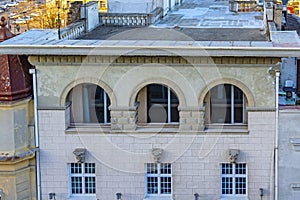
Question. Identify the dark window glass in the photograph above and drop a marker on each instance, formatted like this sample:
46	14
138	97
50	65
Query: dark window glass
158	100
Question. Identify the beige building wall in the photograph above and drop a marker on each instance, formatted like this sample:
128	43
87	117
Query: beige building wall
120	151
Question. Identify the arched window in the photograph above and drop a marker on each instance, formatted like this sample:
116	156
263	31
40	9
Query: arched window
89	104
225	104
157	104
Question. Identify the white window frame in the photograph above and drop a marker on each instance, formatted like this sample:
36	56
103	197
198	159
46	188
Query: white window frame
158	175
81	175
233	175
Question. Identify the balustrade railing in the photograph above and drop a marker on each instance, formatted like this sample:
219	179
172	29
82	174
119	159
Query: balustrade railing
243	6
73	31
131	19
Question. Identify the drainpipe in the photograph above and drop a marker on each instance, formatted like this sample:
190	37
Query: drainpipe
277	74
36	133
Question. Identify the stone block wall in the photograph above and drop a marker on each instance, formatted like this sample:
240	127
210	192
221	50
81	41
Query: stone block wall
120	157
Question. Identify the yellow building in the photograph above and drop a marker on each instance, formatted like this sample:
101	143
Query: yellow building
17	148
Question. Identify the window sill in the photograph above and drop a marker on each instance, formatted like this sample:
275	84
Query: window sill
158	198
227	128
158	127
88	128
234	198
82	198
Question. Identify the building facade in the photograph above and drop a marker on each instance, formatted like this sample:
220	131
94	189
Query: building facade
107	124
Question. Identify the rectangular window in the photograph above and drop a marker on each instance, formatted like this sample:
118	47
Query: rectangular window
233	179
82	179
158	179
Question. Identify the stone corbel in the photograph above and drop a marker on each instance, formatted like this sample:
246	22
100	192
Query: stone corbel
233	155
80	154
157	154
296	143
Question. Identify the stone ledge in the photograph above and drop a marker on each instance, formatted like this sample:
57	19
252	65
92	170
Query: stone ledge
4	157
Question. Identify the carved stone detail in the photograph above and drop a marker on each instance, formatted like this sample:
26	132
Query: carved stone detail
233	155
80	154
157	154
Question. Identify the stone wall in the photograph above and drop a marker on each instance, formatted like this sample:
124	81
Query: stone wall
120	157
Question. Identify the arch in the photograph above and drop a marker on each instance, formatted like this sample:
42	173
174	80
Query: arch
168	83
240	85
101	84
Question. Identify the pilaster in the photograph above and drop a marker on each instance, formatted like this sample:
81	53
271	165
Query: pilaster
191	118
123	118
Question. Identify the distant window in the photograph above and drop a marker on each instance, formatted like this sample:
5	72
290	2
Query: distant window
82	179
233	179
158	179
89	104
225	105
158	104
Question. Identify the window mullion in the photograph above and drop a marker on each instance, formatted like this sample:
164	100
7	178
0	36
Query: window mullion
169	105
83	178
86	111
105	107
232	104
243	110
158	176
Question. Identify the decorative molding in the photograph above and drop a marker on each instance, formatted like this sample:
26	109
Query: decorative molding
80	154
167	60
17	155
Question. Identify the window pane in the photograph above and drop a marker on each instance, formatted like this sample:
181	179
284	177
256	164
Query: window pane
240	185
151	168
240	168
174	108
89	168
152	185
76	183
220	101
226	185
76	168
238	105
165	184
157	104
157	96
165	168
226	168
90	185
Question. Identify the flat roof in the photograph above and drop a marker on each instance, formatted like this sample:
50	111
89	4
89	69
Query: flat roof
45	42
175	34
